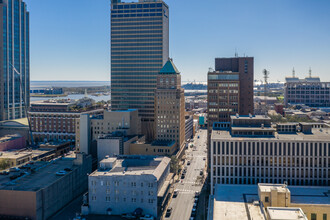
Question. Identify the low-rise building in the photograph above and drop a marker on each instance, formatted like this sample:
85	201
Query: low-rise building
126	183
55	120
12	159
14	127
41	191
269	202
252	151
60	148
114	144
90	127
10	142
156	148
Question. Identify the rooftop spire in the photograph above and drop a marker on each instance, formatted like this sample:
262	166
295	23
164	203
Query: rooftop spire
293	73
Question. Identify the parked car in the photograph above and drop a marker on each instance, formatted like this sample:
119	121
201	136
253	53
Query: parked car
67	169
175	193
195	205
128	216
201	172
188	163
4	173
193	212
168	212
60	173
183	176
204	158
147	217
196	200
14	176
14	169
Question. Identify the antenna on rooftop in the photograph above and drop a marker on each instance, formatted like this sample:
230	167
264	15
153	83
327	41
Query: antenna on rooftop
236	54
293	73
310	72
266	77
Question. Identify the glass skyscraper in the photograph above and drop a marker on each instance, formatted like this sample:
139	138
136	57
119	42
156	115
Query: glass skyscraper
139	49
14	59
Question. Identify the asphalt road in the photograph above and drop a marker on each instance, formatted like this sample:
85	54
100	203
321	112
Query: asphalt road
182	205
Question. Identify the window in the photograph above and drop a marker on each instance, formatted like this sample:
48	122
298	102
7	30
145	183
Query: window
266	199
107	199
108	191
313	216
324	216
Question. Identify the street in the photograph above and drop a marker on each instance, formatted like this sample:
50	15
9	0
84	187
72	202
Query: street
182	205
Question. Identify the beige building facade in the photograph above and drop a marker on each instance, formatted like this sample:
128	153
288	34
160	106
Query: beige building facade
90	127
170	106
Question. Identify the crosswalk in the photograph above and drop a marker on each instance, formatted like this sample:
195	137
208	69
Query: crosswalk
186	191
186	182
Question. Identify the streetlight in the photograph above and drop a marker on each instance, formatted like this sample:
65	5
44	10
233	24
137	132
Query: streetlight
25	104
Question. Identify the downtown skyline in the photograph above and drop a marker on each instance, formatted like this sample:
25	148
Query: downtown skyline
280	35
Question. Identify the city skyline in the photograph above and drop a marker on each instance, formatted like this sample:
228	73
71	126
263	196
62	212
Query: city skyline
277	34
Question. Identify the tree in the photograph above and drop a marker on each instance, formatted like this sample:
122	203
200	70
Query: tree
4	164
174	166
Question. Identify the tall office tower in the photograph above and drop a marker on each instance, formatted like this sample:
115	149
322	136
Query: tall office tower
170	106
139	49
14	59
230	91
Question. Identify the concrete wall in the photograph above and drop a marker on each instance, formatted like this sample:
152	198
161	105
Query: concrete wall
148	149
85	134
108	147
319	210
18	203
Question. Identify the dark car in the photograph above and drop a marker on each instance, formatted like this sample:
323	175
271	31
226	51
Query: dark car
67	169
188	163
183	176
4	173
168	212
175	193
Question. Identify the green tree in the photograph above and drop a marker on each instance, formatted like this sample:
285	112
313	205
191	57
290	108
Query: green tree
174	166
4	164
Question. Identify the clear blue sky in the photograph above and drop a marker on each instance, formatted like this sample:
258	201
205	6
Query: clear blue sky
70	39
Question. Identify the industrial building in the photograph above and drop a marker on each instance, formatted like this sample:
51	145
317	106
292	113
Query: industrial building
44	188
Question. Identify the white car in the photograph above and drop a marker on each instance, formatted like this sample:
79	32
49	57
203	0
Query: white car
60	173
147	217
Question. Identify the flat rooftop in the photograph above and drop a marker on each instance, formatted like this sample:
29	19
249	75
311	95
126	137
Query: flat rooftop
236	201
14	154
44	175
276	213
317	135
134	165
264	187
9	138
